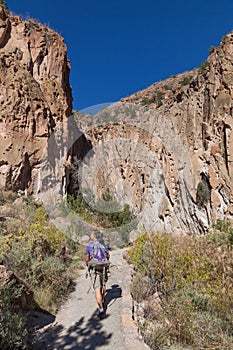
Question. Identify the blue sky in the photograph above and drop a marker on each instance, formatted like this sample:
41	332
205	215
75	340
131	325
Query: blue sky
119	47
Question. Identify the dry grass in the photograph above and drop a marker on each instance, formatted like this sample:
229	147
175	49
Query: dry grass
193	278
30	246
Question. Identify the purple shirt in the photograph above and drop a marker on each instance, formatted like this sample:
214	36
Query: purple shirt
89	247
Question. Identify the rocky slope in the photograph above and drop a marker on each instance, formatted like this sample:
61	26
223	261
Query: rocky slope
176	172
35	95
199	105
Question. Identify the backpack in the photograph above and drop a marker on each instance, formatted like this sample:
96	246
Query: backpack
98	251
98	257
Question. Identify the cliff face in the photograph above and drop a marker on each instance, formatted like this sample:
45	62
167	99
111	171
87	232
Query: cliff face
199	105
187	122
35	95
167	151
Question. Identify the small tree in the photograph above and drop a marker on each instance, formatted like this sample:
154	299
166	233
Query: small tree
211	49
203	66
203	193
159	98
3	2
186	80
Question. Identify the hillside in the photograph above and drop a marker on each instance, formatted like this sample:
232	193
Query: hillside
185	123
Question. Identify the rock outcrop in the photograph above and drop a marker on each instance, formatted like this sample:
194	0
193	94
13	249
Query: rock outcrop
35	96
166	150
186	121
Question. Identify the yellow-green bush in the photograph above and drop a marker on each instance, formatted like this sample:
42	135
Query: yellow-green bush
193	278
30	246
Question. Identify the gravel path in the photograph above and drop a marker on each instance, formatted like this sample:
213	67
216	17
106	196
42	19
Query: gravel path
77	325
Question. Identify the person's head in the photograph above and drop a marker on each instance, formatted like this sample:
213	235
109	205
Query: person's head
93	236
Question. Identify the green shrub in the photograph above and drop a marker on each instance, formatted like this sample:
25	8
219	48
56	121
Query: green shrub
203	193
50	275
192	277
203	66
49	270
186	80
7	196
13	334
159	98
3	2
30	246
147	101
211	49
100	212
223	234
32	252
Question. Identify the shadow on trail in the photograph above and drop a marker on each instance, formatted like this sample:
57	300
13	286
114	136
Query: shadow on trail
112	294
83	335
39	319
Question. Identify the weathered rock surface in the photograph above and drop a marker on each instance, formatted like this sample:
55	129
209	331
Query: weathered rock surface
153	150
35	95
154	157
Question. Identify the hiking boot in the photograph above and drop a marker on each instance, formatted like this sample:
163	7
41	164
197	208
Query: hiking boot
105	305
101	314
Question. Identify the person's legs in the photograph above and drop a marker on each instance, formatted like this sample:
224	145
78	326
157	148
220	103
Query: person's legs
99	297
103	292
98	285
105	275
100	290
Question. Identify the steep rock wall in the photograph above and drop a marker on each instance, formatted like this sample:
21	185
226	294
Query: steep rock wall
35	96
192	125
151	150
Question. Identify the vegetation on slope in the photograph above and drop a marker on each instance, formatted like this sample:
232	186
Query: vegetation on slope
3	2
106	213
185	284
39	256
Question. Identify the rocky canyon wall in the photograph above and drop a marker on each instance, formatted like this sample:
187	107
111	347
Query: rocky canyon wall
35	96
168	149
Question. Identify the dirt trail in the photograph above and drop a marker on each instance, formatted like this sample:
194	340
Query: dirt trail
77	325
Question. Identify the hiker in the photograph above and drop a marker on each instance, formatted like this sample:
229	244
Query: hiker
97	259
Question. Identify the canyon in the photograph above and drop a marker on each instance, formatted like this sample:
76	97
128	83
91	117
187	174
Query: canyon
166	151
